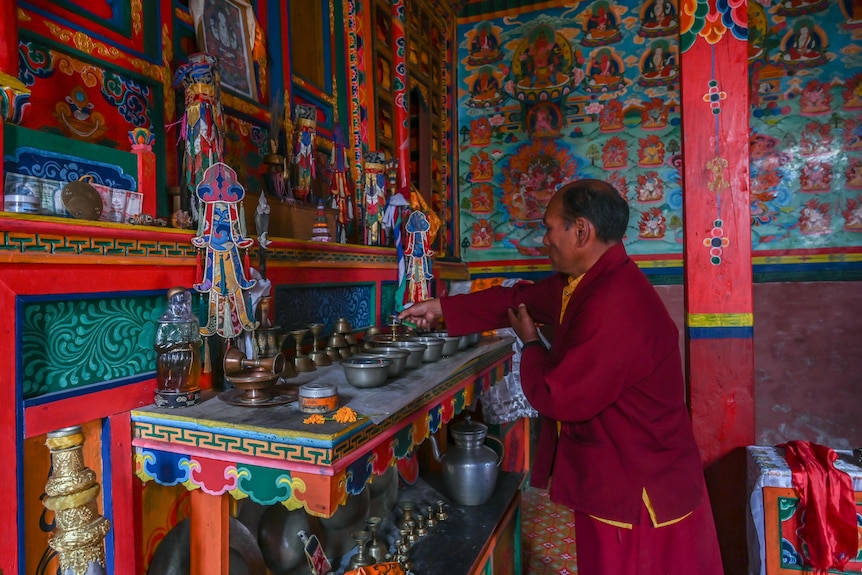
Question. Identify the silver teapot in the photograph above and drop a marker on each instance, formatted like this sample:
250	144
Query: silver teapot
469	467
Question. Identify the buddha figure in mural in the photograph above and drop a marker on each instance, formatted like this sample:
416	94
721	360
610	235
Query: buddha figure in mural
602	25
604	69
484	46
659	18
803	46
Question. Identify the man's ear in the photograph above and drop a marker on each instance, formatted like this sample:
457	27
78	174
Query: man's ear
582	229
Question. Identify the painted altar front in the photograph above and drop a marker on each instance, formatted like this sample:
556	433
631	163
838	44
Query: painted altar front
273	456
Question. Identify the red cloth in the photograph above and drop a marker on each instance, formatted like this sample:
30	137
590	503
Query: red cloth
826	495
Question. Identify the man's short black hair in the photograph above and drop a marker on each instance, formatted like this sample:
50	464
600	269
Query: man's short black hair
600	203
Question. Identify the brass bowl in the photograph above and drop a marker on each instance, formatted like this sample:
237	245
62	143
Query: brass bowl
337	340
341	326
253	382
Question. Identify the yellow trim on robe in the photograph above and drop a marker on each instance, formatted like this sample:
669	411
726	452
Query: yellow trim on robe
567	293
651	514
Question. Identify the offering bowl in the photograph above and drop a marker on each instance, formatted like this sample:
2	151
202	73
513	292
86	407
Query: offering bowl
366	371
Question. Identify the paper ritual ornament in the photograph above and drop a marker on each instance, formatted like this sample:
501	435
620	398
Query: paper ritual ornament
221	234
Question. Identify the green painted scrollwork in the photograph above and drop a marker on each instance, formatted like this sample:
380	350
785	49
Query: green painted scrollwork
69	344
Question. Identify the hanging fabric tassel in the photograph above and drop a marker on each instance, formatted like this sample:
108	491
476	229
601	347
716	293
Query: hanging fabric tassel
247	265
223	277
208	366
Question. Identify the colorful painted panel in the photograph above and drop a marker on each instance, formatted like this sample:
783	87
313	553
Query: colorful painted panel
77	341
84	101
806	124
297	307
793	555
42	155
388	291
560	94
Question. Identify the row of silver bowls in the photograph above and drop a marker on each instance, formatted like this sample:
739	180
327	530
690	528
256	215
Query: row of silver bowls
387	356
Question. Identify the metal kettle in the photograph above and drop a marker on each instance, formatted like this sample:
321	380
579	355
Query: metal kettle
469	467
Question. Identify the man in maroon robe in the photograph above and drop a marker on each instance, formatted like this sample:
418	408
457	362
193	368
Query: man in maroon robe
616	436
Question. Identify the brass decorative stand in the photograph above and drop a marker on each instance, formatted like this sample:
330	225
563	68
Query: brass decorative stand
301	362
317	355
71	493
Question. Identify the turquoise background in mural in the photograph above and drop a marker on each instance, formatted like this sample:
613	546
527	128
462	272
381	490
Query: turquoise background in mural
805	65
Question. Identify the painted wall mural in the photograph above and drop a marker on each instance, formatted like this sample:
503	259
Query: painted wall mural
593	91
805	64
562	94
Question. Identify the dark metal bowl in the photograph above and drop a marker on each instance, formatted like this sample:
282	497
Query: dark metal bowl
366	371
435	347
396	354
416	349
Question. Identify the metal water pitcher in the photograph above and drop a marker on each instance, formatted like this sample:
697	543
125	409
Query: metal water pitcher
469	467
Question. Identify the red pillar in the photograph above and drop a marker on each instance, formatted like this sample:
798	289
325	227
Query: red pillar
14	93
210	528
402	99
718	273
125	502
8	60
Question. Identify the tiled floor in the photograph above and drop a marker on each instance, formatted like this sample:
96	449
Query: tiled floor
547	535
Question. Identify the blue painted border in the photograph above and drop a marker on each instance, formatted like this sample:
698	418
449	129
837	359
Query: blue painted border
720	332
287	438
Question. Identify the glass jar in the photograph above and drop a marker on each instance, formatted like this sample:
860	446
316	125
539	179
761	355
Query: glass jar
178	348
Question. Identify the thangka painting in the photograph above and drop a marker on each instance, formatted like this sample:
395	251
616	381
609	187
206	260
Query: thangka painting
805	65
593	92
569	93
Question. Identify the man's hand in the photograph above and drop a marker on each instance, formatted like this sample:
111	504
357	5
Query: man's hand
424	314
523	324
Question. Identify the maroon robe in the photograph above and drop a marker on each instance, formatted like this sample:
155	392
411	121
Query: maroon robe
613	379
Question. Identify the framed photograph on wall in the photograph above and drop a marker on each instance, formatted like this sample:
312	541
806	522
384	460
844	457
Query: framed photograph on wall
226	29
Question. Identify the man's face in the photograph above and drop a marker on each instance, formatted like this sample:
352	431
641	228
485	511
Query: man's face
560	240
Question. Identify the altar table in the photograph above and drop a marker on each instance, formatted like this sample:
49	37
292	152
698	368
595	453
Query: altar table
269	454
774	547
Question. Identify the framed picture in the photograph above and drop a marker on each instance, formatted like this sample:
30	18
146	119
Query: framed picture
226	30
